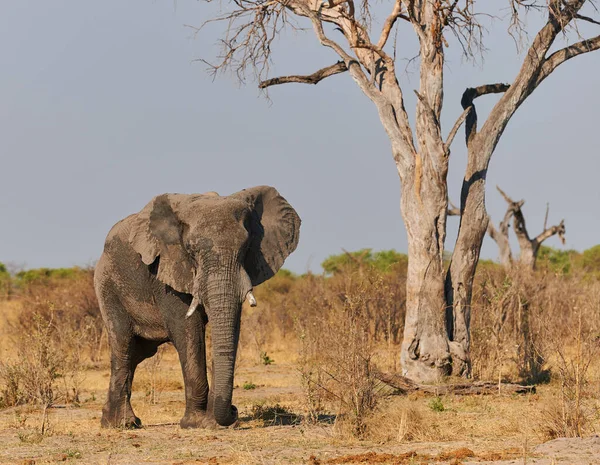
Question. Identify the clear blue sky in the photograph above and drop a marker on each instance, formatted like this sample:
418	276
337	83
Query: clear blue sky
102	107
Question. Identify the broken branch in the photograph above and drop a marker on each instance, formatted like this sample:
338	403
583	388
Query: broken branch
313	78
403	386
467	101
461	119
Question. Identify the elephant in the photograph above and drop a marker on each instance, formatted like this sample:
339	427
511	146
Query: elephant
181	262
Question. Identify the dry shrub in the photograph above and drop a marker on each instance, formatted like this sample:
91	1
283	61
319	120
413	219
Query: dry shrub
271	327
573	413
519	316
399	424
338	347
58	329
72	305
44	370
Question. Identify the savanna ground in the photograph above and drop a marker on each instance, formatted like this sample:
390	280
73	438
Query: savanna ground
306	379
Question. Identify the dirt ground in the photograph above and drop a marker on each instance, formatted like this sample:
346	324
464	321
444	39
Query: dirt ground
488	429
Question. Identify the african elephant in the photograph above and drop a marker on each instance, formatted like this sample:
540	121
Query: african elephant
165	272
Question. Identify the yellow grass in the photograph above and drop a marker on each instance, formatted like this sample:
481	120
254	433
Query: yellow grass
272	427
401	424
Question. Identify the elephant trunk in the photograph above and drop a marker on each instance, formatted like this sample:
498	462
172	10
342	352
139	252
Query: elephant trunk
225	322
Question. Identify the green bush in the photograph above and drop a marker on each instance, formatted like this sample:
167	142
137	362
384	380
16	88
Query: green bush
558	261
5	282
384	260
590	260
47	275
436	404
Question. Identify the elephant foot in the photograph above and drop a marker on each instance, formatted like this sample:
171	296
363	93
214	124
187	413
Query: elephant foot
198	420
229	419
119	420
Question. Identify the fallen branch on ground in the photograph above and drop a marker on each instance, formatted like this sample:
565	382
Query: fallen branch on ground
403	385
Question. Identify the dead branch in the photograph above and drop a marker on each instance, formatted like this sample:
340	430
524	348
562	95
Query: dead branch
471	94
587	19
529	247
313	78
565	54
403	386
461	119
453	210
559	230
389	23
500	237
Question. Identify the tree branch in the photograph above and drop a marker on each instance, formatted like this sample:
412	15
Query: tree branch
529	247
549	232
471	94
587	19
351	63
565	54
453	210
313	78
455	128
501	237
389	23
512	206
560	15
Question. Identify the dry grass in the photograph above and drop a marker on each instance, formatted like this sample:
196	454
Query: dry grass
271	428
319	397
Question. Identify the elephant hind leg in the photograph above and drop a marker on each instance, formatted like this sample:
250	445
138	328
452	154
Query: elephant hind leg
126	354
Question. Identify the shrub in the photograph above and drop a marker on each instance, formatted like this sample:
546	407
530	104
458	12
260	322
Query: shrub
265	359
436	404
590	260
43	371
384	261
5	282
69	300
572	415
336	362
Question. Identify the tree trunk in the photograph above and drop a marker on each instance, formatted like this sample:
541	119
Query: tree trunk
528	255
425	354
461	273
505	255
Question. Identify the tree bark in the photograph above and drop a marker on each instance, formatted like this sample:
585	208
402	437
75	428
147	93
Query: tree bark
425	355
461	273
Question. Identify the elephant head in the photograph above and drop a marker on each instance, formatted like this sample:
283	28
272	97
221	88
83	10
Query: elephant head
216	249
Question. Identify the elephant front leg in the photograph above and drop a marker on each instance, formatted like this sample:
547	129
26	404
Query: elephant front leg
192	355
117	411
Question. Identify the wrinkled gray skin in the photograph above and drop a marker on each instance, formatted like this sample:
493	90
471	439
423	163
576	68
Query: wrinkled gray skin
200	253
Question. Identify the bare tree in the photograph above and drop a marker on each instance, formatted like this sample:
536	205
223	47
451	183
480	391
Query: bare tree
436	336
529	246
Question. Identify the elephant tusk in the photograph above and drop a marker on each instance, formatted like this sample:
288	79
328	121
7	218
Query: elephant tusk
251	299
193	307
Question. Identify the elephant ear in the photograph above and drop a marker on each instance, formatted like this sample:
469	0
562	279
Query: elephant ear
157	232
274	230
